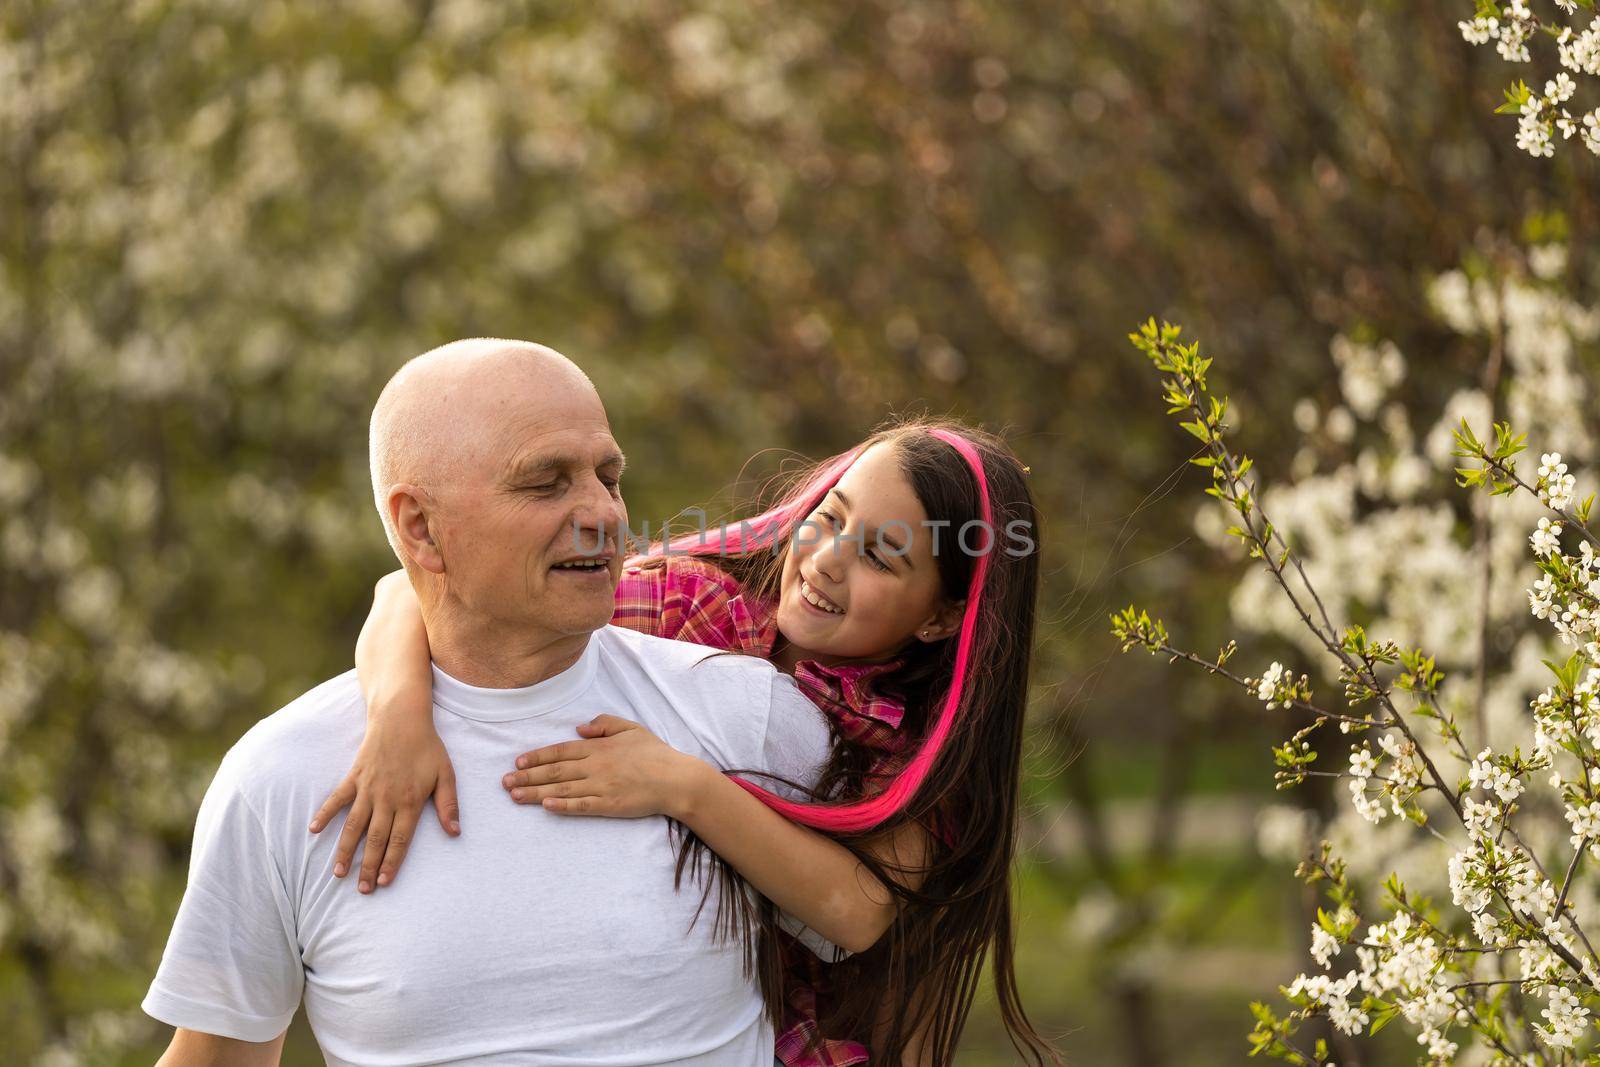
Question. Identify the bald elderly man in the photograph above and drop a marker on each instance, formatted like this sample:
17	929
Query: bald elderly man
530	938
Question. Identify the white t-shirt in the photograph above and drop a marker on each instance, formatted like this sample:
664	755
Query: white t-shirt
533	938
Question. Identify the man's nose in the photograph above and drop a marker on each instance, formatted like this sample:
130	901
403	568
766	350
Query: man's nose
599	515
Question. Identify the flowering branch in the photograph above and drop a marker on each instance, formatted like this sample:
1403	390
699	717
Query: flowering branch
1541	116
1412	966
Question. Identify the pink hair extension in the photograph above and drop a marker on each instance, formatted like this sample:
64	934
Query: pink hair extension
764	529
865	814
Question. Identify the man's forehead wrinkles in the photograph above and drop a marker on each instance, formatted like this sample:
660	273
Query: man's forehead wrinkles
534	431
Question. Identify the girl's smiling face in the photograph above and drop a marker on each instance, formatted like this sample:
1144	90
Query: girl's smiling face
860	579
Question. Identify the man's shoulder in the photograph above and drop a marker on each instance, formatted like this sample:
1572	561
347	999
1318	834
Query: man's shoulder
661	654
666	652
742	710
322	725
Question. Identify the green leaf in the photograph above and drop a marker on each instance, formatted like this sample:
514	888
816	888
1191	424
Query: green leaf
1516	95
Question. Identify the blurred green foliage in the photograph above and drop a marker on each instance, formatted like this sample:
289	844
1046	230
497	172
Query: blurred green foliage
757	226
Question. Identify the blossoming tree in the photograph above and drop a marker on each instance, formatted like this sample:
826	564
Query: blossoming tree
1507	970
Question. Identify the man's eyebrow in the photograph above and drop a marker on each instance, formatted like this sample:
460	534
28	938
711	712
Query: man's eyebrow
550	461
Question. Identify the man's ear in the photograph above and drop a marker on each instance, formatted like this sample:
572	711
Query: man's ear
410	508
945	622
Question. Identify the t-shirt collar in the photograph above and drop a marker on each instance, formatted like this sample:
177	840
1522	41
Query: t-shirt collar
507	705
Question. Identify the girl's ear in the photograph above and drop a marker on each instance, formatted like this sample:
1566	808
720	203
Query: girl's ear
946	622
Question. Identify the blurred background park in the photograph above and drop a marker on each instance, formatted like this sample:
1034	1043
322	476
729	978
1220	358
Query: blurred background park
761	228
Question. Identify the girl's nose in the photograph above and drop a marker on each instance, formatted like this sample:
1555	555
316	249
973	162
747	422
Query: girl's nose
829	559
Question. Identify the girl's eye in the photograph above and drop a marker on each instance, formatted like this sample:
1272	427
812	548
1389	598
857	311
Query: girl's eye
827	516
878	562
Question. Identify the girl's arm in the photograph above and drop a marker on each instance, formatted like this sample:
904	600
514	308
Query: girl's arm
401	760
808	875
622	770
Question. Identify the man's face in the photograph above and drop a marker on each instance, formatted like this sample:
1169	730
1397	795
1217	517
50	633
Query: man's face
531	528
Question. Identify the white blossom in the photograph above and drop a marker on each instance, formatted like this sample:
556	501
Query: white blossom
1533	132
1512	42
1548	261
1567	1018
1333	995
1368	807
1589	132
1324	946
1580	52
1367	372
1480	30
1466	874
1545	538
1271	680
1585	820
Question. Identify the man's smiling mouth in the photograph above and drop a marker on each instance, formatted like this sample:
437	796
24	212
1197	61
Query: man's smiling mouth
584	565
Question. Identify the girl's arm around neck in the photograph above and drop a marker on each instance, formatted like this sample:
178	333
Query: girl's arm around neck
393	661
401	761
808	875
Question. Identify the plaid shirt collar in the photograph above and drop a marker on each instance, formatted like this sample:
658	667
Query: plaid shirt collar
852	693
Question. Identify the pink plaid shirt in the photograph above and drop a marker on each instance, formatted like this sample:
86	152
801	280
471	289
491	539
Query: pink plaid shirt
691	599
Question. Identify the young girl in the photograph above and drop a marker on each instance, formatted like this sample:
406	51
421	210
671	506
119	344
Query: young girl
896	584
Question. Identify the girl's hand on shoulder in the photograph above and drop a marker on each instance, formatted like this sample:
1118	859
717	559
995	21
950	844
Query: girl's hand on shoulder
619	769
401	761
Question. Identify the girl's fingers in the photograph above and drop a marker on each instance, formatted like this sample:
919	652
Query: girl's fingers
355	824
566	750
445	803
606	725
534	794
372	854
545	775
580	805
400	836
342	794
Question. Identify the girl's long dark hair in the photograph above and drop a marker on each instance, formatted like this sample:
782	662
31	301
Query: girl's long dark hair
959	776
